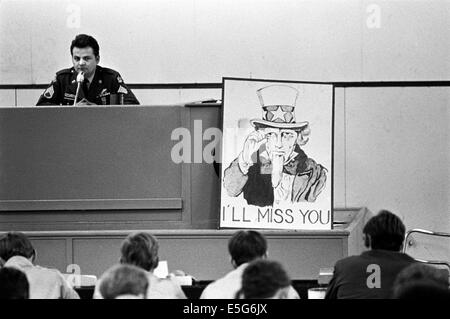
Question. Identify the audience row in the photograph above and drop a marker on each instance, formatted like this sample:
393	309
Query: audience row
382	271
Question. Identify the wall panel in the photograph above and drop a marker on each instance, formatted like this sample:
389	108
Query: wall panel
7	97
397	153
197	41
28	97
52	253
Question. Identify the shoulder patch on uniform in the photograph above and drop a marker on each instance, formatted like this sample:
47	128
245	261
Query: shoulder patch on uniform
49	92
122	90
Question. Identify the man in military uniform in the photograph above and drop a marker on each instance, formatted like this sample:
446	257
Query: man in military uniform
98	85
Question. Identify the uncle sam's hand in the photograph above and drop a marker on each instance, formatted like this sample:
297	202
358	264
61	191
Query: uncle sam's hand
252	144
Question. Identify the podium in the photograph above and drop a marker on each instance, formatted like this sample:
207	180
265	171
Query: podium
104	168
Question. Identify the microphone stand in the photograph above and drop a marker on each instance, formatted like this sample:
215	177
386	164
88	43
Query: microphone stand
80	78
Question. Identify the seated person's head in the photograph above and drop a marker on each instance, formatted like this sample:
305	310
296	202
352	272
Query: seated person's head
264	279
245	246
422	289
384	231
13	284
140	249
419	272
124	281
16	244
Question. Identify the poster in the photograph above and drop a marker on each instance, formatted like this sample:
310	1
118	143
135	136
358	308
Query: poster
277	163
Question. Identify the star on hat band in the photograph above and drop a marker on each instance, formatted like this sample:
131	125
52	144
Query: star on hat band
278	114
278	105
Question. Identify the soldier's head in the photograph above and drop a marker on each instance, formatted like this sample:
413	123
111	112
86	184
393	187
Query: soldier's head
384	231
245	246
85	54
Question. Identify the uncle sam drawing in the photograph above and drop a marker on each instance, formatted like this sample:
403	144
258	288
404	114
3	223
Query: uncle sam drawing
272	168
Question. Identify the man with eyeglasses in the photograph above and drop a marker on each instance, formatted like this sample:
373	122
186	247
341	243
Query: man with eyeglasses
86	81
272	168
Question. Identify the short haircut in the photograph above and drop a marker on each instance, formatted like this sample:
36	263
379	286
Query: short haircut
84	41
13	284
247	245
420	272
122	280
263	279
386	231
15	244
140	249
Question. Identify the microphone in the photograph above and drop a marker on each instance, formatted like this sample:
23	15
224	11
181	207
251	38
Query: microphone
80	79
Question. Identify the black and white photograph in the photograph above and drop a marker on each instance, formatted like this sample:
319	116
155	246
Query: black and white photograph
212	152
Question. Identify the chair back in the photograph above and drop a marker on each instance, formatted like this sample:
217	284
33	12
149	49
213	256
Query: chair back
428	247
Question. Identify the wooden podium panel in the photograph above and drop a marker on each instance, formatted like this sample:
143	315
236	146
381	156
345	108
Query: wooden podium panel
103	168
88	158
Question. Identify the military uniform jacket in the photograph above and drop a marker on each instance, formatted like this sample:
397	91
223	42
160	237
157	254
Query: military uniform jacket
106	81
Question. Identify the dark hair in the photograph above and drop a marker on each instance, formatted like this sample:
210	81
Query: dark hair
420	272
246	245
13	284
16	244
140	249
386	231
422	289
123	280
263	279
84	41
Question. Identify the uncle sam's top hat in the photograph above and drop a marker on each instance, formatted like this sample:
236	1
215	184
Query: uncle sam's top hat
278	105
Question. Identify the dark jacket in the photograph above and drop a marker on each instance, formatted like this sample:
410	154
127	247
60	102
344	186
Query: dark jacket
351	275
106	81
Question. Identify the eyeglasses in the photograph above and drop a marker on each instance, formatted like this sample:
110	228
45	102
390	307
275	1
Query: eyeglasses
273	108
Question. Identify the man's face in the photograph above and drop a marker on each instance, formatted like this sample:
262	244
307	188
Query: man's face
83	59
280	141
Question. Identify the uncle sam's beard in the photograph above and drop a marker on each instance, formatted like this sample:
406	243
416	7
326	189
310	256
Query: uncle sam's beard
277	169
